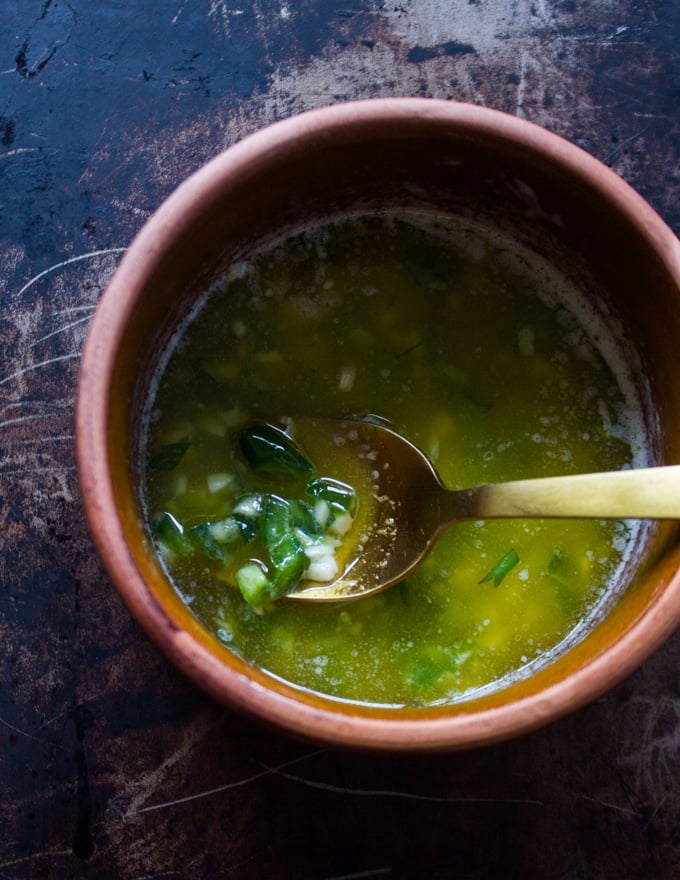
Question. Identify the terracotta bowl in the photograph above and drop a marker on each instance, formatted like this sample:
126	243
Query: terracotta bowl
382	153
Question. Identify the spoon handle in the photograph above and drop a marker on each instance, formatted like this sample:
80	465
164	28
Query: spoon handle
642	493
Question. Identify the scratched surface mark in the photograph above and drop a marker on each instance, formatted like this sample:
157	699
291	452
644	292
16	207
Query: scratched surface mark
111	764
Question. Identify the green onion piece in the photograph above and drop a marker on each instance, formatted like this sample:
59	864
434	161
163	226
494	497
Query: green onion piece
169	533
502	568
169	456
247	527
288	565
267	448
334	492
302	517
286	553
276	520
202	538
254	584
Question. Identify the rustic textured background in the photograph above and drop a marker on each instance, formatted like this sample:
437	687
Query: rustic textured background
113	766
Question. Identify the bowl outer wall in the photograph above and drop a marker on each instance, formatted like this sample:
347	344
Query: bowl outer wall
110	503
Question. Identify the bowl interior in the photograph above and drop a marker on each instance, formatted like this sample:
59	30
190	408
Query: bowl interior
374	156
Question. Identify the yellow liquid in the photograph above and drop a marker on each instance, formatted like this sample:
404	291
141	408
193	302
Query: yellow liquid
471	349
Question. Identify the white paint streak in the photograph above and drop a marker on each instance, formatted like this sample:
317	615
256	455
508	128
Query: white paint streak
22	419
176	16
62	329
404	795
36	857
133	810
69	262
74	309
18	152
38	366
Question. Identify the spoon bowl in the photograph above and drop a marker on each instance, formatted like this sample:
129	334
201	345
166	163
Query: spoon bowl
414	507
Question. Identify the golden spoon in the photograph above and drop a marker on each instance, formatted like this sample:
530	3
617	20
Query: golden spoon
414	507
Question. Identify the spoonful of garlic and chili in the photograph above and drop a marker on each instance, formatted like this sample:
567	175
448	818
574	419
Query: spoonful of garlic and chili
413	507
309	536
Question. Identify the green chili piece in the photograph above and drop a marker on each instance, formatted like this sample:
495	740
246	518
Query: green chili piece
276	521
288	565
267	448
202	538
334	492
254	584
247	527
169	532
169	456
302	517
502	568
286	554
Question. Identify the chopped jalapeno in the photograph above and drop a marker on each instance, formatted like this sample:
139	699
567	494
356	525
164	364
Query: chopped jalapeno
169	456
254	584
276	520
334	492
293	538
268	448
288	565
202	538
302	517
169	533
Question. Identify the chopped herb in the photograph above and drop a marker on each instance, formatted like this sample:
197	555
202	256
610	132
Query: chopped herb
169	456
169	533
502	568
292	539
302	516
276	520
202	538
286	554
254	584
424	673
562	567
268	449
334	492
288	561
247	527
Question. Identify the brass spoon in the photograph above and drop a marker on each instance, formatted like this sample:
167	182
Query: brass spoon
414	507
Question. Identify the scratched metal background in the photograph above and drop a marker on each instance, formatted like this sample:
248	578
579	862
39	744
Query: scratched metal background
111	765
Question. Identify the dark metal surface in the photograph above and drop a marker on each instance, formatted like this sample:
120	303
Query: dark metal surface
111	765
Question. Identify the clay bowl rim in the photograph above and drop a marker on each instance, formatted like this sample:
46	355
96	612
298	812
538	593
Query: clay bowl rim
315	718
